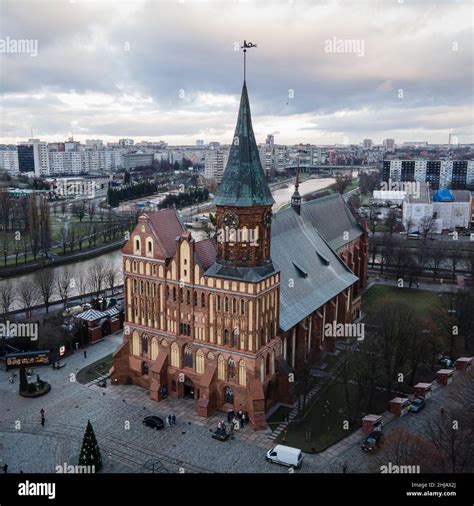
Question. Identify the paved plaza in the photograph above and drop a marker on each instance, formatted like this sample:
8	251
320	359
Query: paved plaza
116	413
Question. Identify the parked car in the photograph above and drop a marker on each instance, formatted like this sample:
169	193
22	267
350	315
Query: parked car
155	422
417	405
72	311
372	442
286	456
446	361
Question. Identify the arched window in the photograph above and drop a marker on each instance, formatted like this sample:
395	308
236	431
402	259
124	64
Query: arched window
231	369
144	344
218	303
154	348
221	368
226	304
181	295
235	337
262	371
174	355
242	373
188	297
234	306
174	293
188	357
203	300
195	297
149	246
242	307
135	344
272	362
267	365
200	362
226	336
229	395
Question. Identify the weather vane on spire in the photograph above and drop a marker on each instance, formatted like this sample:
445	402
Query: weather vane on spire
245	47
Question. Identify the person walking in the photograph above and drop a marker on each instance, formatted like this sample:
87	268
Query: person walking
173	419
42	417
85	353
5	468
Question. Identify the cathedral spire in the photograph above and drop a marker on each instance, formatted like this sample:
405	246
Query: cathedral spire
243	183
296	197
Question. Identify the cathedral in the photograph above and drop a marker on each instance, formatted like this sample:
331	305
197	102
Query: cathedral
224	321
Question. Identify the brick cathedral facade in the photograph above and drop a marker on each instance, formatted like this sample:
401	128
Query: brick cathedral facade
224	320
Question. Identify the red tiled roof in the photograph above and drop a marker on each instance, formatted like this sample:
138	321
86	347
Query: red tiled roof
206	252
167	228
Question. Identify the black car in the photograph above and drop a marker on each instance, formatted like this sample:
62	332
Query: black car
155	422
372	442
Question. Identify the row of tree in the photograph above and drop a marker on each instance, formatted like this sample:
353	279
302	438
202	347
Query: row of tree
47	285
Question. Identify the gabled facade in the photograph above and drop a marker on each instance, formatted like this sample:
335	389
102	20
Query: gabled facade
224	320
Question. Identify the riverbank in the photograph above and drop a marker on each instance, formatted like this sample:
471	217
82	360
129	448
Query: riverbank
15	270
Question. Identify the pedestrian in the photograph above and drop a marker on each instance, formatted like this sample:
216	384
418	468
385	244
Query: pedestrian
241	422
173	419
85	354
231	429
42	421
168	420
5	468
441	411
42	413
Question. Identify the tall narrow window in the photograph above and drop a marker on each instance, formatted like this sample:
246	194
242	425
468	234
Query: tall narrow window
203	300
188	357
226	337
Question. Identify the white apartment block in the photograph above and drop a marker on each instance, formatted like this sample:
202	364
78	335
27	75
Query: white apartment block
215	161
9	161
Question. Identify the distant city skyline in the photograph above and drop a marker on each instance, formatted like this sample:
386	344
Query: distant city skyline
325	73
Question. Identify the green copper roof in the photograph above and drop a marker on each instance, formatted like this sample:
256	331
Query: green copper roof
243	183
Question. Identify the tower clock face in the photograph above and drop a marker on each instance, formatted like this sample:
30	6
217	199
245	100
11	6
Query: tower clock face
267	219
231	220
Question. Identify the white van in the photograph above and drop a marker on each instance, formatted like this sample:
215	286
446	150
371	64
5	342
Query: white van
285	455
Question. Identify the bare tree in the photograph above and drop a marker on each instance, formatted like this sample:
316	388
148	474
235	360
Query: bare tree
97	276
81	280
436	257
27	294
111	276
342	182
63	282
7	297
45	281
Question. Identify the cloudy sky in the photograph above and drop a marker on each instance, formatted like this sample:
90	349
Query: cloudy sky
169	70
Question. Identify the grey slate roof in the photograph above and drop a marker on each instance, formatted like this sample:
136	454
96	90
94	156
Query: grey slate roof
331	216
252	274
311	272
243	183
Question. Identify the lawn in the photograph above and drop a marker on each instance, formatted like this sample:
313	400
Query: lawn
95	370
422	301
324	422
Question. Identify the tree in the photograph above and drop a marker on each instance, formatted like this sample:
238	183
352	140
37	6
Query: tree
44	280
391	221
27	295
23	379
394	323
97	276
63	282
7	296
342	182
111	276
90	452
436	257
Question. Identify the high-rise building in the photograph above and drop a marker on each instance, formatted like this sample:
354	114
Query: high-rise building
389	145
215	161
453	174
270	140
199	142
367	143
9	161
33	156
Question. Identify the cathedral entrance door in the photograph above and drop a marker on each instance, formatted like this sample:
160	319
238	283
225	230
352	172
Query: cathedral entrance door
188	389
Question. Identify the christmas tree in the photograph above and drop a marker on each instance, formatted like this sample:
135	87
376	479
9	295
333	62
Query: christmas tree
23	379
90	452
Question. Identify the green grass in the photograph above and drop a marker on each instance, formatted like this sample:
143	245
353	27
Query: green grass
422	301
322	427
98	368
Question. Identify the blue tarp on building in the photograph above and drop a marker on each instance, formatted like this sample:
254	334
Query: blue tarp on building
443	195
